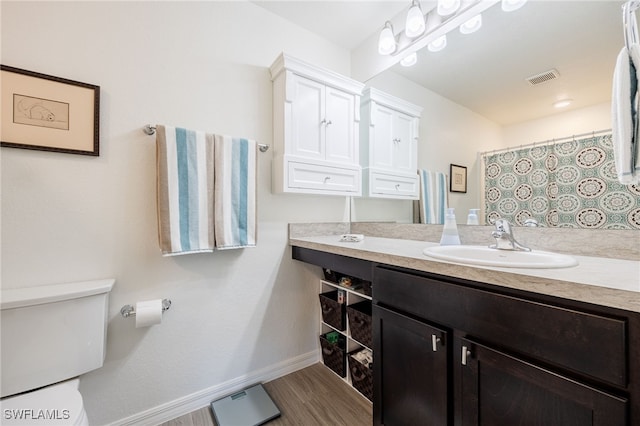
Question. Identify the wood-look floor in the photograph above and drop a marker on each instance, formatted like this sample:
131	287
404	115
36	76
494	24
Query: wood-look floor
311	396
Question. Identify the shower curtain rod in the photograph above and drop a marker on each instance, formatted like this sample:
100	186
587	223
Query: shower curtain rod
545	142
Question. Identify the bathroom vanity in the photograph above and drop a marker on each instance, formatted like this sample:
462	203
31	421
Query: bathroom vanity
469	345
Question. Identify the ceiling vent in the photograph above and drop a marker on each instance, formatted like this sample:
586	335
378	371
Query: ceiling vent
543	77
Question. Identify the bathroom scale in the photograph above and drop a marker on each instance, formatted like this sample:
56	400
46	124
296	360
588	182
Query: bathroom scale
249	407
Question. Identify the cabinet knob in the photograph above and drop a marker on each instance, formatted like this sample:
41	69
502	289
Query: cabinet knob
328	122
397	187
435	341
466	354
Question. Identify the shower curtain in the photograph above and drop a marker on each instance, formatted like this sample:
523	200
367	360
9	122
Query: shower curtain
570	184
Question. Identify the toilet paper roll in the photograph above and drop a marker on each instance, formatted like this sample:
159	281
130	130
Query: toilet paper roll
148	313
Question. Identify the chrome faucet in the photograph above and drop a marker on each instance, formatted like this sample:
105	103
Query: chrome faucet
504	237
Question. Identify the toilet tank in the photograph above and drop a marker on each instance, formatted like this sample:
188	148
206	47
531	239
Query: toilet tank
51	333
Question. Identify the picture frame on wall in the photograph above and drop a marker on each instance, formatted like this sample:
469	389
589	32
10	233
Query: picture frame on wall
47	113
458	178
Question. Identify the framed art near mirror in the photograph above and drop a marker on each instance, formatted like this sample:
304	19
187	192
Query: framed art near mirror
458	178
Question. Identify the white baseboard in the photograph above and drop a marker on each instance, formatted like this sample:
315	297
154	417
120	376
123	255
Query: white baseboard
187	404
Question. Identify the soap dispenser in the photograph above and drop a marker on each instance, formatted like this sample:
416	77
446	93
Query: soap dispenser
472	218
450	231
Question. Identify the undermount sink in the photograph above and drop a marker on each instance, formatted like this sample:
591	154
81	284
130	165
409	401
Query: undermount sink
482	255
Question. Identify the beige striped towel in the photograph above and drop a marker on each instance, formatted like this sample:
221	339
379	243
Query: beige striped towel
185	185
235	192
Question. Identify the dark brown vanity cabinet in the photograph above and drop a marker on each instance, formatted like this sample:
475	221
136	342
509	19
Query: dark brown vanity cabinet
412	388
500	389
449	353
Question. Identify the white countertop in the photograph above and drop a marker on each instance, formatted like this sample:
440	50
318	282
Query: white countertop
602	281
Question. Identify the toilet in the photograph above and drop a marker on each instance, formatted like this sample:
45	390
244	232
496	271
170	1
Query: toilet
50	335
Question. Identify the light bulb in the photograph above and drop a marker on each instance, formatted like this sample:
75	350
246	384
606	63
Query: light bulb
438	44
472	25
562	103
447	7
415	24
511	5
409	60
387	41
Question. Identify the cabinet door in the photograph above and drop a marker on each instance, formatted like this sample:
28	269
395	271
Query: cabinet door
498	389
340	124
307	114
382	145
405	144
410	371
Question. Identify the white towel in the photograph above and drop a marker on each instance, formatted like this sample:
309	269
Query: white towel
184	190
624	116
235	192
635	150
433	197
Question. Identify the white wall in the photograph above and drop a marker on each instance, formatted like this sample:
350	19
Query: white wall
449	134
566	124
202	65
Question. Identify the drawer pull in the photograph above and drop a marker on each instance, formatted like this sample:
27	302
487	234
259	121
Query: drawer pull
466	353
435	340
327	178
397	187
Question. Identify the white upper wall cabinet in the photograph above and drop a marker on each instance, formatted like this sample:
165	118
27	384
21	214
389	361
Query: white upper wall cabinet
316	128
389	146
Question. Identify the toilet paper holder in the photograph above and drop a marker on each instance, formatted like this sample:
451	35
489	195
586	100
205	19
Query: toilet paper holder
128	310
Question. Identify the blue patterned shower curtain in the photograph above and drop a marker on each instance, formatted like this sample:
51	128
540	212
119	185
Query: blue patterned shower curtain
570	184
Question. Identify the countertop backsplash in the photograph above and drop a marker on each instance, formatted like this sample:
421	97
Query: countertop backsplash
616	244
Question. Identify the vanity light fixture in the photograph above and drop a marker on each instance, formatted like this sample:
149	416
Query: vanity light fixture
511	5
472	25
562	103
415	24
387	40
447	7
430	29
409	60
438	44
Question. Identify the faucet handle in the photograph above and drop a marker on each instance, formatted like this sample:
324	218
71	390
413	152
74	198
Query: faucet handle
504	237
503	225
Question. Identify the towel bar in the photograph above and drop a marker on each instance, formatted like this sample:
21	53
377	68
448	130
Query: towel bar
150	130
128	310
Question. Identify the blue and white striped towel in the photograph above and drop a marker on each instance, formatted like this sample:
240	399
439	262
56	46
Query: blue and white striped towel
433	196
185	186
235	192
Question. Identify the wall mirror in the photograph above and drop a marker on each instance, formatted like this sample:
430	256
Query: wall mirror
486	72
